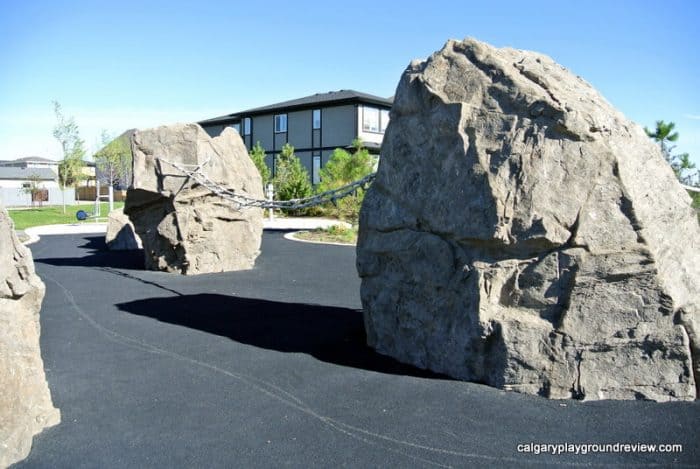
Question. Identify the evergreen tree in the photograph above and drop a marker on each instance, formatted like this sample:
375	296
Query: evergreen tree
257	154
664	135
291	179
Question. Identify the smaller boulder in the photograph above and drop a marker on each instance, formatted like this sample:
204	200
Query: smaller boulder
185	227
121	235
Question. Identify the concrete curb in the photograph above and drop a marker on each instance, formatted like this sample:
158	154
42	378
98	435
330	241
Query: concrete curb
291	237
299	224
35	232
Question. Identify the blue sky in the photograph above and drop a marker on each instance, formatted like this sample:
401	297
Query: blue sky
116	65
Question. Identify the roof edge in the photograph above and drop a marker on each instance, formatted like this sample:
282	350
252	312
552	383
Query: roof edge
274	109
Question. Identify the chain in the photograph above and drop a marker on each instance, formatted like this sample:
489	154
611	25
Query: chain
242	201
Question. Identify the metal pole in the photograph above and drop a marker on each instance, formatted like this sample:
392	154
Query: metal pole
96	213
270	195
111	198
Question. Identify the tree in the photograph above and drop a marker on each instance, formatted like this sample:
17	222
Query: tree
664	135
114	160
257	154
70	169
342	169
291	178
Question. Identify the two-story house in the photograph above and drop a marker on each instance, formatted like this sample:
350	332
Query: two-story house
31	162
315	125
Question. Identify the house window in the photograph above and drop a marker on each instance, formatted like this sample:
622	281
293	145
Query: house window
383	120
236	127
246	126
370	119
280	123
316	119
316	169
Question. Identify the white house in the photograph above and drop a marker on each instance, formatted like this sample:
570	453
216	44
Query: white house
14	181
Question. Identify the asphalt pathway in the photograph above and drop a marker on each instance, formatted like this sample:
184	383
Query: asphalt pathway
268	368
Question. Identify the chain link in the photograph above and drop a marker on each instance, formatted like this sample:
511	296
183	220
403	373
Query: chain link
242	201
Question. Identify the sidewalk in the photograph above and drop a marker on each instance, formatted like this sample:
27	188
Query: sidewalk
286	223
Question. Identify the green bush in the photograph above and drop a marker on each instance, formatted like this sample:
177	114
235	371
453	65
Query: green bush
696	202
257	154
291	179
342	169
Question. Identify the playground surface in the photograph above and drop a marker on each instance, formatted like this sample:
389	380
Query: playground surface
268	368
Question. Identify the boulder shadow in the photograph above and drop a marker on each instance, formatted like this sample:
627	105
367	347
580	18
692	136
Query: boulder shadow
330	334
97	255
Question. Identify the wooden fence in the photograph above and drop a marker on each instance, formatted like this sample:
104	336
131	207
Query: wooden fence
90	193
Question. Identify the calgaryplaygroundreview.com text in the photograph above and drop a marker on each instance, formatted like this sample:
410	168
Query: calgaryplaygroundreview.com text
589	448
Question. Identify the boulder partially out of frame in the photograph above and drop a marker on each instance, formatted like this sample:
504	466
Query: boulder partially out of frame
25	401
121	235
523	233
184	227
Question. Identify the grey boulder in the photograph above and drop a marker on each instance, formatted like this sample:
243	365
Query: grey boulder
25	401
522	233
121	235
184	227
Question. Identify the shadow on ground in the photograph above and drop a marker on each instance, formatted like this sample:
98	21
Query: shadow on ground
96	254
330	334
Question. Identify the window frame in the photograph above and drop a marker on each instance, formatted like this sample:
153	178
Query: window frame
314	113
282	118
247	125
365	113
382	125
316	175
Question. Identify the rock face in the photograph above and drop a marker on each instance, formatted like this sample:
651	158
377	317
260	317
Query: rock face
25	401
121	235
183	226
523	233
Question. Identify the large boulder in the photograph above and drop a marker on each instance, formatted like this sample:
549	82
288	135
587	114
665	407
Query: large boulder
25	401
184	226
121	235
523	233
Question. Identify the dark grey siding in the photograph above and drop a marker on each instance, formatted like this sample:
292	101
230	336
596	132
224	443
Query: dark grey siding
262	131
305	158
213	130
325	156
299	129
338	126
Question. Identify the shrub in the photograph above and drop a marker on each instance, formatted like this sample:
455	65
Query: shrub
291	178
257	154
342	169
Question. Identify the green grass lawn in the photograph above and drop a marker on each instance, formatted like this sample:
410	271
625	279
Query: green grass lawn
52	215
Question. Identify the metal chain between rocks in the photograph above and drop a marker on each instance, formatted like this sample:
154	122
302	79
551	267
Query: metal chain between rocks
243	201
